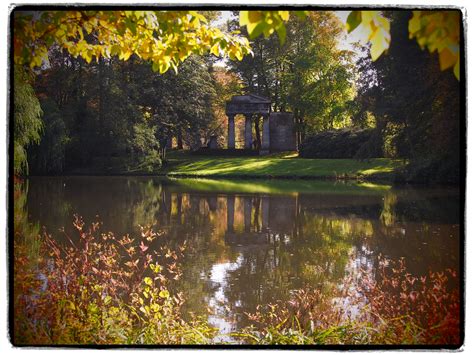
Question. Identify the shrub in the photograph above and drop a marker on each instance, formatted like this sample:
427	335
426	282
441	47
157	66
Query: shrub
397	308
339	144
100	290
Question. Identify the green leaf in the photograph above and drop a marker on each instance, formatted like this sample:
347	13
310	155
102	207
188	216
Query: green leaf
301	14
256	29
353	21
281	30
131	25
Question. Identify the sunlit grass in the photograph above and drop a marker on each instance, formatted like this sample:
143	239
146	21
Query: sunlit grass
282	165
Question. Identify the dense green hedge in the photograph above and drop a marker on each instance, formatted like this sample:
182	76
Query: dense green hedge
342	143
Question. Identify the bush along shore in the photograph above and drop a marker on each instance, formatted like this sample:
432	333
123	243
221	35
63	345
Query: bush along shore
102	289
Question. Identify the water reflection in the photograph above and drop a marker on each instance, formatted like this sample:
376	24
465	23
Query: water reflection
254	242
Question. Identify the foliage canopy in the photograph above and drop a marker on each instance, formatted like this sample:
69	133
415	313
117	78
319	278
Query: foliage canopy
165	38
437	30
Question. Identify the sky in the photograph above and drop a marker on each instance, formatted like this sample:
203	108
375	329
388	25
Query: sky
355	36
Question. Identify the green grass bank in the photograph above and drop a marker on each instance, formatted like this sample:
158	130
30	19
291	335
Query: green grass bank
282	165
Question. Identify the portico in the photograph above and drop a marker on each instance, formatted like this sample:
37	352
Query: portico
252	107
276	134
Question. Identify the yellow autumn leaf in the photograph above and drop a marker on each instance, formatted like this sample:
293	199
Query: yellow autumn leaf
164	66
215	50
456	69
285	15
87	55
36	61
125	54
380	42
447	59
254	16
414	24
243	18
383	22
238	54
116	34
368	17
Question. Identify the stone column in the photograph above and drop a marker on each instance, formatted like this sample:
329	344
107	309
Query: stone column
248	131
265	212
231	133
247	213
266	135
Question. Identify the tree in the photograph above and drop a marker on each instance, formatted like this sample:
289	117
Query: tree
307	74
27	122
416	106
119	112
227	84
49	155
178	104
437	30
318	75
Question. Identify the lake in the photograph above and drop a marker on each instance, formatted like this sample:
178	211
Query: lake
252	242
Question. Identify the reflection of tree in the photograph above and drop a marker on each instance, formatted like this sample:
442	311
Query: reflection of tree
387	217
423	228
202	225
25	233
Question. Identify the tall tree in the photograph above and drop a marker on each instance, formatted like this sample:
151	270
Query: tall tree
27	122
306	74
120	111
416	105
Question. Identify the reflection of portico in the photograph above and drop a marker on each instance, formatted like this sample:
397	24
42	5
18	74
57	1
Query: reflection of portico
255	220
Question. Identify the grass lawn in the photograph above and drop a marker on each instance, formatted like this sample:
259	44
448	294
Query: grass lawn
282	165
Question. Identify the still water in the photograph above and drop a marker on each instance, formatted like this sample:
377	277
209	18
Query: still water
252	242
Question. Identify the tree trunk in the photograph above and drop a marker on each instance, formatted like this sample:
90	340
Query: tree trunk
102	135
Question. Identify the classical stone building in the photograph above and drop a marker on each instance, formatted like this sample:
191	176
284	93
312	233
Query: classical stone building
278	133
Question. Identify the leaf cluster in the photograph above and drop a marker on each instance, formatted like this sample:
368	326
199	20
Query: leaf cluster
164	38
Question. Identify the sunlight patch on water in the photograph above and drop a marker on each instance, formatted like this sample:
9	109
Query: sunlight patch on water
221	317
